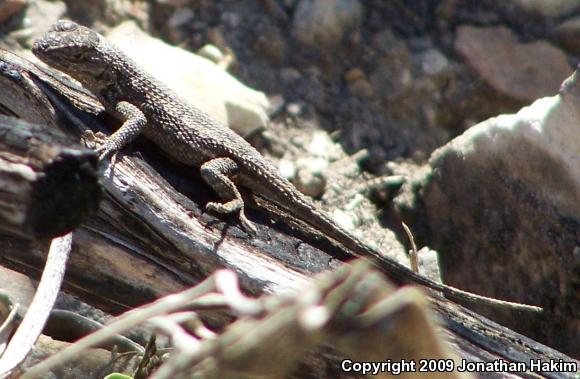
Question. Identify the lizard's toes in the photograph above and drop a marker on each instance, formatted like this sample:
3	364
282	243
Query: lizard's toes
231	207
248	226
89	139
104	152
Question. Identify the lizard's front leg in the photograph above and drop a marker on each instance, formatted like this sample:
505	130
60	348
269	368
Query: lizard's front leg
133	125
218	173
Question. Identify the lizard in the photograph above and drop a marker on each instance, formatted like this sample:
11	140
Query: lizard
188	135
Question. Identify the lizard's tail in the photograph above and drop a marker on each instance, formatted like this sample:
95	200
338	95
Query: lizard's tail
284	195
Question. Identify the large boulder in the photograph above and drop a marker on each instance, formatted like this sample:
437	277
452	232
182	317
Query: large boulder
501	203
519	71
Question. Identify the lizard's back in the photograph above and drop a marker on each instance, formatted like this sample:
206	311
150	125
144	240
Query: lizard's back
184	132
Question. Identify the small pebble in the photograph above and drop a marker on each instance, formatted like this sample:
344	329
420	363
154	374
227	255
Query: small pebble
356	201
354	74
323	146
212	53
433	62
343	219
294	109
287	169
361	88
316	165
289	74
309	184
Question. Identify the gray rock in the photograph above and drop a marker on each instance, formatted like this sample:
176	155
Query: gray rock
294	109
522	71
289	75
309	183
550	8
429	263
196	79
502	206
566	35
322	146
323	23
432	62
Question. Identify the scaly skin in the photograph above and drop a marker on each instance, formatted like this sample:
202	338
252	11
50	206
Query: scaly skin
190	136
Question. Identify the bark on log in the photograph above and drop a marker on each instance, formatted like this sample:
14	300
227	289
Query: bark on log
152	237
48	183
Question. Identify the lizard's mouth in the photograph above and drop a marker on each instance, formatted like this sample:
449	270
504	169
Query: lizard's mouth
49	50
70	59
67	44
41	46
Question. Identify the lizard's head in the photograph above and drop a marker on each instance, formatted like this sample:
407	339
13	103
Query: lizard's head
74	49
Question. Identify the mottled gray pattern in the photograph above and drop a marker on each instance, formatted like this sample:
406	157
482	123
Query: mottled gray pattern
192	137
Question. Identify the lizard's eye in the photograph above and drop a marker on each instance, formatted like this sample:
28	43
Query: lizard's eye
78	55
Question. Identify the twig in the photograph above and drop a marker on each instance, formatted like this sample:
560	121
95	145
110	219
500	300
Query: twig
33	322
128	320
413	256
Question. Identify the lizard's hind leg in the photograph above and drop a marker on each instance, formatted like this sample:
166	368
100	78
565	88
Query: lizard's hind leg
218	173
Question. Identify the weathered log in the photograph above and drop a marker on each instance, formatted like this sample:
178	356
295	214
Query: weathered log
48	183
148	239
